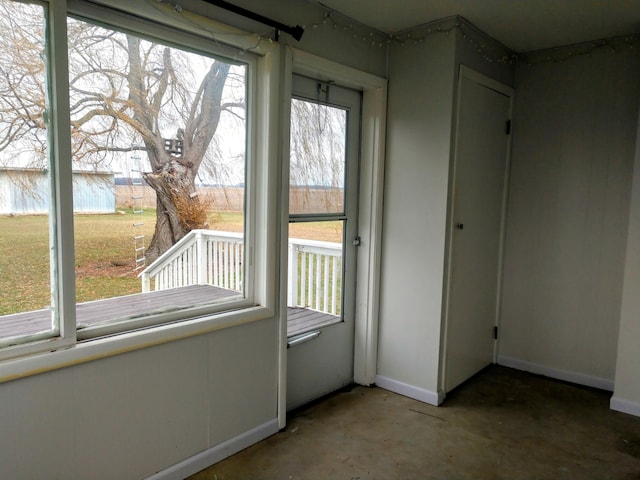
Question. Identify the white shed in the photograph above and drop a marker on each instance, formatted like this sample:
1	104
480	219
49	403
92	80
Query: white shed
24	191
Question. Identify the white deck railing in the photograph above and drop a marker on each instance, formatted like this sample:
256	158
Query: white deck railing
209	257
315	275
202	257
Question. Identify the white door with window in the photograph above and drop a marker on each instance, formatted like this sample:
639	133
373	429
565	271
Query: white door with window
323	238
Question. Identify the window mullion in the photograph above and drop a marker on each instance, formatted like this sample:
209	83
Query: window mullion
62	237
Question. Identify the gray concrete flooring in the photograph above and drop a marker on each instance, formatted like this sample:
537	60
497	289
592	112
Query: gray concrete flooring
501	424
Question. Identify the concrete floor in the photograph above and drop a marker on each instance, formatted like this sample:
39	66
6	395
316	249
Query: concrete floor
502	424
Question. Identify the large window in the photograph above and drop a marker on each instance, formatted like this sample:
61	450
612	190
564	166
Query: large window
158	134
152	183
26	265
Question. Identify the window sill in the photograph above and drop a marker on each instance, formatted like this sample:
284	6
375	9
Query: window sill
96	349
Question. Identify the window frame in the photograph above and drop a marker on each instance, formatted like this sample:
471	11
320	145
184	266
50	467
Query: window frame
262	181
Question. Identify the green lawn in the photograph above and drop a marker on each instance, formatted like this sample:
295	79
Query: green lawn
104	249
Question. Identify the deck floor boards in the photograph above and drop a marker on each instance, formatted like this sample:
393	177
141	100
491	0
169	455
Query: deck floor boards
299	319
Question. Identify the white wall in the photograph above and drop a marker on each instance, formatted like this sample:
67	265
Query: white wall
130	415
626	395
415	208
574	136
422	84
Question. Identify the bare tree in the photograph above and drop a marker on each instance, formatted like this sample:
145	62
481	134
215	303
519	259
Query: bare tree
318	147
127	94
22	80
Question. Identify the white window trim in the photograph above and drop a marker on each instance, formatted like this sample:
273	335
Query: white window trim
262	136
372	151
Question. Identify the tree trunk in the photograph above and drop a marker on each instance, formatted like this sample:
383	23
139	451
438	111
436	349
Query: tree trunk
179	210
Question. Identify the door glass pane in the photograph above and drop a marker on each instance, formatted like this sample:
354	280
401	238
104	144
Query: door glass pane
25	180
158	138
318	147
315	275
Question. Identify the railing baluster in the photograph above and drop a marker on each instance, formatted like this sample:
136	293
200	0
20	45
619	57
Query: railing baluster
325	284
229	264
177	272
303	280
236	261
292	276
225	264
317	286
216	268
209	262
334	285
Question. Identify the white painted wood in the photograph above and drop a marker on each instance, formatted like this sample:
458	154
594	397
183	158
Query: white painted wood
60	151
241	384
565	375
201	257
215	454
627	379
44	419
371	186
8	452
415	211
315	253
320	366
148	389
478	202
411	391
283	232
126	342
423	80
131	415
625	406
325	363
62	273
575	129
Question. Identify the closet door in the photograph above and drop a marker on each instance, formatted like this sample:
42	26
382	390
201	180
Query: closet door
479	196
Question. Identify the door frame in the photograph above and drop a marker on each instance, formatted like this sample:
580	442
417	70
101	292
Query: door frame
372	154
473	75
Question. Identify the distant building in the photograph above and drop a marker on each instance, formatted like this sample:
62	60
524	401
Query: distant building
25	191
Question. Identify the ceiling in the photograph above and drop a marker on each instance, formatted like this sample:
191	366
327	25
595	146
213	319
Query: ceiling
522	25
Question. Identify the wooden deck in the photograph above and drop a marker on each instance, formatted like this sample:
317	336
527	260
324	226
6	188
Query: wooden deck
97	312
300	320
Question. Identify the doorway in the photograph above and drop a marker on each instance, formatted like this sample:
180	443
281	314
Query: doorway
477	216
323	238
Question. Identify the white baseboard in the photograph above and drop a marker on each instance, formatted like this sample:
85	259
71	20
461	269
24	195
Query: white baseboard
566	375
625	406
411	391
213	455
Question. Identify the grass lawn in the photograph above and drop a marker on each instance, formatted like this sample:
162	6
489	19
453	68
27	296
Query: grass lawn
104	255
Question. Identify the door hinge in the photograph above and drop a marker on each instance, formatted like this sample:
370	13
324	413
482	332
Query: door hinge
357	241
508	127
495	333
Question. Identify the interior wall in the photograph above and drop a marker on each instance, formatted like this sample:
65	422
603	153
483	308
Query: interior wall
422	90
626	395
420	100
495	61
574	134
131	415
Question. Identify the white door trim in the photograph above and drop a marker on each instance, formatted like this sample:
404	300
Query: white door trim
372	149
